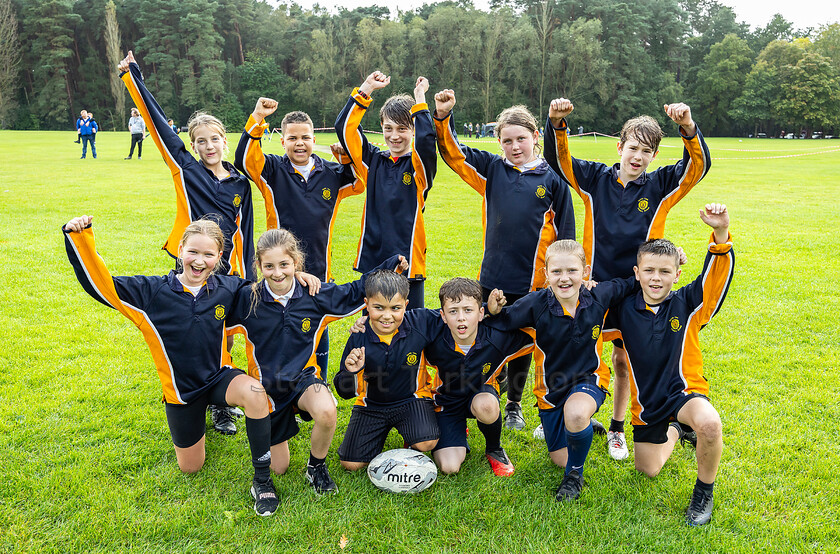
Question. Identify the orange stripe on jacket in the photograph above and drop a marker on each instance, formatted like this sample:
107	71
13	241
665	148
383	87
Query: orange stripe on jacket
693	173
182	204
450	151
254	163
564	160
100	278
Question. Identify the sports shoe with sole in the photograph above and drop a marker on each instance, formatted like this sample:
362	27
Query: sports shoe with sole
319	477
597	427
222	420
265	497
617	445
570	488
683	436
539	432
699	510
513	416
500	463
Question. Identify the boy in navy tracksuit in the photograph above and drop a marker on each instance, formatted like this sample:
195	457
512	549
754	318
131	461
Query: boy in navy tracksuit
526	207
302	191
385	369
625	206
397	179
661	330
571	379
469	357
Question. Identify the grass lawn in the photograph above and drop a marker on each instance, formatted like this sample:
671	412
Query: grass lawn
86	462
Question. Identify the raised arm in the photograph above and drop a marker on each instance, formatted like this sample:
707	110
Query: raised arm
348	124
678	179
251	160
709	290
471	164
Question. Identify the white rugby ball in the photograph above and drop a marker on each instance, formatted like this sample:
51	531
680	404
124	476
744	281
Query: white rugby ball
402	470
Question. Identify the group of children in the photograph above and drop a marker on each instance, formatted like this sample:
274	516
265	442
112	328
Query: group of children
559	291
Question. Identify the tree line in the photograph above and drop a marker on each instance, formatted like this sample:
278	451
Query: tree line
614	60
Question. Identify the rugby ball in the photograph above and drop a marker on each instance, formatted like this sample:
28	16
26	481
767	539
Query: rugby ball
402	470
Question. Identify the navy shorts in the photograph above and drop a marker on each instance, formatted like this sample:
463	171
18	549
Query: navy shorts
369	427
452	420
285	394
657	432
552	420
187	421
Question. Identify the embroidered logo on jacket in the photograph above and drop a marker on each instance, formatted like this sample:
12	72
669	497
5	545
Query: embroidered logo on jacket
237	200
596	331
541	190
326	193
406	178
675	324
219	312
486	367
305	325
411	359
644	205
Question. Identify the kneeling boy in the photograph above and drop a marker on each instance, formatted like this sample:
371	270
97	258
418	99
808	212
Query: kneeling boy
468	359
385	369
660	331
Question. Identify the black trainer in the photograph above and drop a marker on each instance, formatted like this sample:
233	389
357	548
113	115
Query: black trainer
690	438
319	478
597	427
513	416
265	497
700	509
222	420
570	488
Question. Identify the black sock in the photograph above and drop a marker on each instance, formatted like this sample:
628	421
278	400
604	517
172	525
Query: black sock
259	439
492	434
707	488
313	461
616	426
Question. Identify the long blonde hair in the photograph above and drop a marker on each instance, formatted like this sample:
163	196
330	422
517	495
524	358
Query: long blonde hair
274	238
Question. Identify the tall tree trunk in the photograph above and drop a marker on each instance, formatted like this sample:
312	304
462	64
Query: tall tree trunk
113	55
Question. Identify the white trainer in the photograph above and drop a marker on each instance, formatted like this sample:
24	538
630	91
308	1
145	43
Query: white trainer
539	432
617	445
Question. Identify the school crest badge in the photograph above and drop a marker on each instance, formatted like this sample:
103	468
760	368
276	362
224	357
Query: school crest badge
644	205
219	312
305	325
411	359
675	324
326	193
237	200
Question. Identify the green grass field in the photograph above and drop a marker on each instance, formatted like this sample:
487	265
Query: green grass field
86	462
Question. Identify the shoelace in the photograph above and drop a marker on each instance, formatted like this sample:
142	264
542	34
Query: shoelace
618	441
698	501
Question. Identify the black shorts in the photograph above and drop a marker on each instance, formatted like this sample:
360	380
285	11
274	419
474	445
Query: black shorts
657	432
369	427
452	420
285	394
187	421
283	425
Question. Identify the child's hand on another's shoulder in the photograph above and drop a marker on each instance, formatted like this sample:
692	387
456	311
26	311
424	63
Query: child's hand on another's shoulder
359	325
309	281
681	115
123	66
78	224
375	81
496	301
402	266
444	102
355	361
683	256
264	108
339	153
558	109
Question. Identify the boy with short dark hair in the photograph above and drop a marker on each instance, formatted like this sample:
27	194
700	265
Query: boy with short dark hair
661	330
624	206
384	367
468	359
301	190
397	179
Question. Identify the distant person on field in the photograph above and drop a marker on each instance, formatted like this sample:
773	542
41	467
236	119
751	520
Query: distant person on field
526	207
208	187
79	121
172	126
625	206
660	330
580	129
137	128
87	130
397	179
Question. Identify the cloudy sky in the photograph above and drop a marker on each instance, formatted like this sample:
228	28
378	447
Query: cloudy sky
803	13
